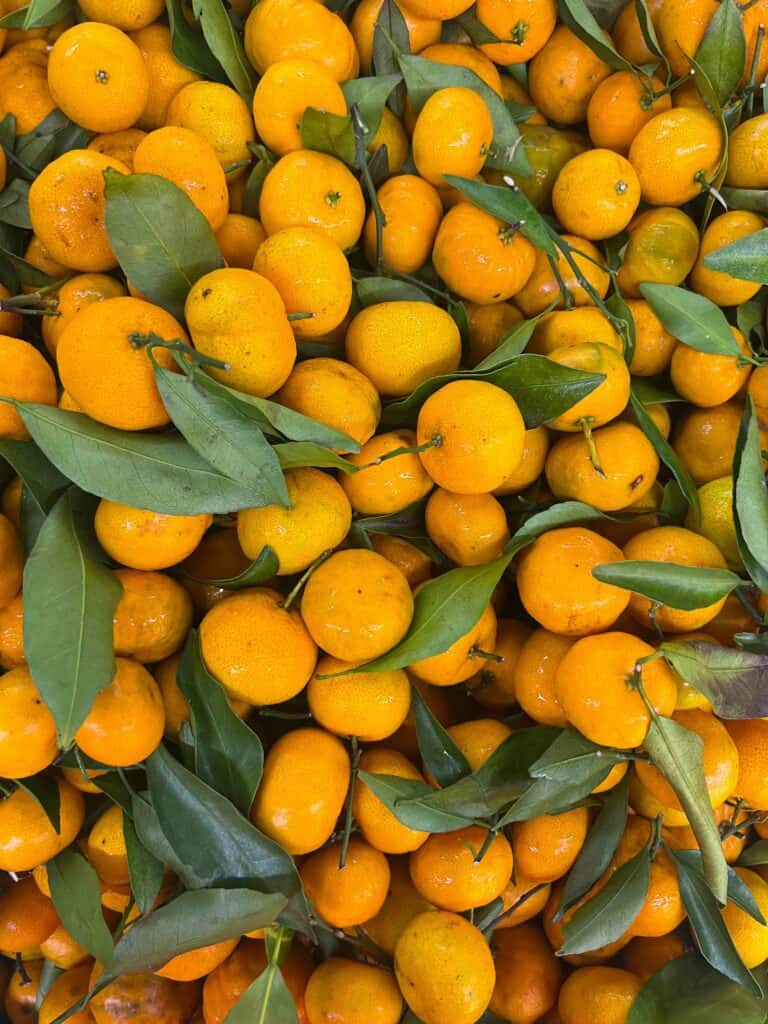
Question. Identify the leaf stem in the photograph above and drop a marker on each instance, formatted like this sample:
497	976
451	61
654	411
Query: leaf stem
294	593
515	906
361	162
349	817
278	941
152	341
434	442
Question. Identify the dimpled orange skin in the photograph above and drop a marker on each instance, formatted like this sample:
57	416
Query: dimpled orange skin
25	94
281	29
675	155
141	539
98	78
258	651
64	951
73	296
751	739
531	906
445	870
12	634
357	605
528	974
167	75
239	238
11	561
681	25
599	994
452	135
124	14
346	897
543	288
663	909
67	209
444	968
749	936
198	962
302	792
556	585
705	441
662	248
118	145
531	465
592	687
127	719
27	917
627	459
746	154
478	739
529	23
334	393
707	379
613	188
609	398
723	289
414	564
412	210
352	992
219	115
377	823
27	729
534	676
546	847
191	163
68	989
111	380
479	435
644	957
619	108
27	838
237	316
654	344
681	547
458	663
564	327
369	705
152	617
142	998
398	345
471	529
106	848
311	274
282	95
563	75
481	258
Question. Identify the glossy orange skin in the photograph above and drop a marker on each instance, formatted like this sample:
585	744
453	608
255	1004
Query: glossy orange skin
458	663
369	705
546	847
27	918
608	399
280	29
286	89
197	963
662	248
528	22
445	870
73	296
528	974
334	393
604	993
12	634
153	616
705	441
751	739
619	108
146	540
534	676
27	838
654	344
377	823
723	289
21	994
643	957
452	135
28	742
346	897
27	377
563	75
680	25
352	992
24	90
675	155
167	75
412	211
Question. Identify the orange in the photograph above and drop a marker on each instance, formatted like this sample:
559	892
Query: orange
391	134
628	36
461	660
167	75
369	705
681	547
239	238
285	91
190	162
478	739
600	994
348	896
545	848
152	617
534	676
224	985
377	823
477	434
644	957
412	212
21	996
68	989
444	968
413	563
357	605
654	344
527	24
402	904
333	393
27	837
27	918
563	327
11	561
705	441
259	651
226	308
751	739
399	345
217	557
442	9
106	848
706	379
141	539
26	377
452	135
110	378
749	936
462	55
308	189
124	14
470	529
556	585
531	906
612	185
620	106
531	465
446	871
97	77
608	399
280	29
723	289
142	998
302	792
311	274
67	209
563	75
543	287
38	255
119	145
481	258
592	687
528	974
662	248
219	115
72	297
197	963
488	325
25	94
680	25
12	634
675	155
746	154
423	30
27	729
10	322
352	992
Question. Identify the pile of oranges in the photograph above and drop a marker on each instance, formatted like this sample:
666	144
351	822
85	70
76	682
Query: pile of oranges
383	559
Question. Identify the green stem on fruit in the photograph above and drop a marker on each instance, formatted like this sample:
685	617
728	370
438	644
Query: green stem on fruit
294	593
434	442
349	820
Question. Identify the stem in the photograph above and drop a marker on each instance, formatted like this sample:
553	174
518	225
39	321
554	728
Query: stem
594	458
515	906
151	341
294	593
361	162
25	978
747	605
434	442
120	927
301	316
567	297
490	836
285	716
478	652
652	613
278	944
348	818
759	40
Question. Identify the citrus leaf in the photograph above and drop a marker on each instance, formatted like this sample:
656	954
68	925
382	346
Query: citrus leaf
144	869
265	161
403	797
260	571
678	586
188	45
228	753
390	40
755	856
750	499
610	913
152	837
599	847
42	481
554	796
722	53
225	44
746	258
328	133
650	392
161	240
753	199
509	205
442	757
648	31
577	15
371	290
370	96
572	755
69	601
267	1000
38	14
738	892
154	471
734	682
76	895
295	454
511	345
668	456
692	318
45	791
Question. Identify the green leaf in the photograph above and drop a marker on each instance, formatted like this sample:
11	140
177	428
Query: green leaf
509	205
750	499
734	682
755	856
69	601
599	847
708	927
572	755
162	241
440	754
746	258
52	137
648	31
267	1000
678	586
650	392
228	753
328	133
152	837
144	869
511	345
188	45
554	796
370	96
260	571
688	991
738	892
14	204
44	789
225	44
577	15
692	318
668	456
372	290
677	753
390	40
42	481
610	913
722	52
218	429
76	894
38	14
265	161
295	454
155	471
405	799
753	199
408	524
